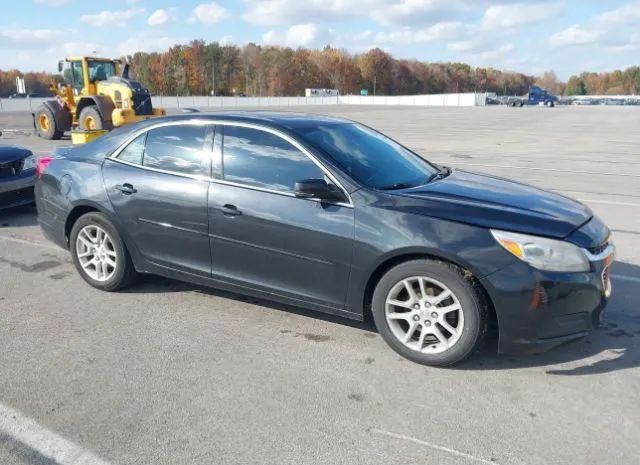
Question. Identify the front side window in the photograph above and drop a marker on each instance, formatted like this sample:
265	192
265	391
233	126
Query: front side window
368	156
101	70
176	148
262	159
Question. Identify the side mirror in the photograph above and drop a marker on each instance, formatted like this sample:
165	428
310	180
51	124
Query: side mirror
317	189
60	66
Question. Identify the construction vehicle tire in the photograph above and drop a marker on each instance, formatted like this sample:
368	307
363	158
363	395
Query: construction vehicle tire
90	119
46	125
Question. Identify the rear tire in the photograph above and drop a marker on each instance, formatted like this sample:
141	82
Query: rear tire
46	124
99	254
453	328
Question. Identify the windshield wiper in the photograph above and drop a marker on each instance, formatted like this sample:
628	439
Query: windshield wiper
443	173
398	185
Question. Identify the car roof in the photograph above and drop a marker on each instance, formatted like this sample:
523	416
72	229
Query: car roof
283	119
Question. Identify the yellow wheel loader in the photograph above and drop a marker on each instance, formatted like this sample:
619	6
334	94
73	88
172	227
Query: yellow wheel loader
96	95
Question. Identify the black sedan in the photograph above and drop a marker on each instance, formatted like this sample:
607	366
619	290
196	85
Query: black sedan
17	176
330	215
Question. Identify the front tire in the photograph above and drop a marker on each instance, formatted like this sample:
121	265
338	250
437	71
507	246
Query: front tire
90	119
430	312
99	254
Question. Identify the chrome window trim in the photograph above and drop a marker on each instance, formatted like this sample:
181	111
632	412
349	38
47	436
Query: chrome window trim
214	122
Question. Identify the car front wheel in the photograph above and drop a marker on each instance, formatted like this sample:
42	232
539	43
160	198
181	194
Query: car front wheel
99	254
430	312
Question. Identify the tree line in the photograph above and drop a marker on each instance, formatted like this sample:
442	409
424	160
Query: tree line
201	68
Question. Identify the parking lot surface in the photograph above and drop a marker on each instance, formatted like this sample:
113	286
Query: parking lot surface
173	373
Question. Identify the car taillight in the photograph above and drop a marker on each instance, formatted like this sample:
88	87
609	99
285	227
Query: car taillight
42	164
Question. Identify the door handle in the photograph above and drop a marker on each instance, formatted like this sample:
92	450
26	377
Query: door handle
126	188
230	210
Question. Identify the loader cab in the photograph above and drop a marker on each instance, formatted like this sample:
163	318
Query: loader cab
82	73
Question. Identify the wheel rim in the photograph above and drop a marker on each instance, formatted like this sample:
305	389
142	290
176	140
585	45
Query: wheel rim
96	253
89	122
43	121
424	315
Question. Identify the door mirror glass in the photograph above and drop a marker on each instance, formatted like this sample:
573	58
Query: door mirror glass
60	66
317	189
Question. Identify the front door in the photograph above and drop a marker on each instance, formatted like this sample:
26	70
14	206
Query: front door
158	190
262	235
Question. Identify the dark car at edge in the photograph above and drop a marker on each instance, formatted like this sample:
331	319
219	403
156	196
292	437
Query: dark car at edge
17	176
330	215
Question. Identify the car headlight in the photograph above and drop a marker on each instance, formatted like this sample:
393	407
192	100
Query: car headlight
29	163
543	253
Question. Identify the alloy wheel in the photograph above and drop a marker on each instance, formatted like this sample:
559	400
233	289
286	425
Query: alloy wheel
424	315
96	253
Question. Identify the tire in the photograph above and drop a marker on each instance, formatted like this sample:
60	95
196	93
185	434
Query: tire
117	277
91	119
46	124
469	322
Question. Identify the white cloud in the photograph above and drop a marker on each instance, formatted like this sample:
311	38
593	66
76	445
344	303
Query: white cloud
160	17
574	35
146	43
24	37
208	13
437	32
81	48
298	35
107	18
518	14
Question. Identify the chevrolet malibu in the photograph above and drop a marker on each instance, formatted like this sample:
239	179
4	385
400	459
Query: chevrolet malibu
330	215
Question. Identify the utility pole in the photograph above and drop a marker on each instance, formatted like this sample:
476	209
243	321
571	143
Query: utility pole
375	81
213	77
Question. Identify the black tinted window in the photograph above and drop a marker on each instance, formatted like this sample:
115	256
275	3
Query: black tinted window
132	153
175	148
262	159
369	156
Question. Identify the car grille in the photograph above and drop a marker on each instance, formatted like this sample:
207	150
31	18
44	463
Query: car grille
598	249
17	196
11	169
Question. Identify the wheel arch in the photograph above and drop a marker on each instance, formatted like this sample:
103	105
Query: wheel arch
61	114
390	260
103	103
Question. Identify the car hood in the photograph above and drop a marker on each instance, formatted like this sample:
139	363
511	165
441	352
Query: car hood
9	153
494	202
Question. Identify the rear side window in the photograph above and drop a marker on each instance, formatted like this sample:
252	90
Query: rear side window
178	148
263	159
132	153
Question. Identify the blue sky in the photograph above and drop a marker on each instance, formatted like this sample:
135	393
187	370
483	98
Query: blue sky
532	36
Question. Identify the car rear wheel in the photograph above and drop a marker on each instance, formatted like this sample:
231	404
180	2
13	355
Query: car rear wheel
99	254
430	312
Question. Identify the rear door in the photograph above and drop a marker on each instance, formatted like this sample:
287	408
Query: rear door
262	235
158	187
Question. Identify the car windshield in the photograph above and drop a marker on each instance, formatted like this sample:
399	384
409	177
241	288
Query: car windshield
368	156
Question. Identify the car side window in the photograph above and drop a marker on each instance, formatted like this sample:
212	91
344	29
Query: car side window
262	159
175	148
132	153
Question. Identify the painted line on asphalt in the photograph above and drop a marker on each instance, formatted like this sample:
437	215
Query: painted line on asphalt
610	202
632	279
559	170
28	242
433	446
48	444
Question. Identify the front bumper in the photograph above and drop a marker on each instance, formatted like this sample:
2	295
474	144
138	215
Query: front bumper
538	310
17	190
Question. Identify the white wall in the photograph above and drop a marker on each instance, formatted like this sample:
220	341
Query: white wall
437	100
